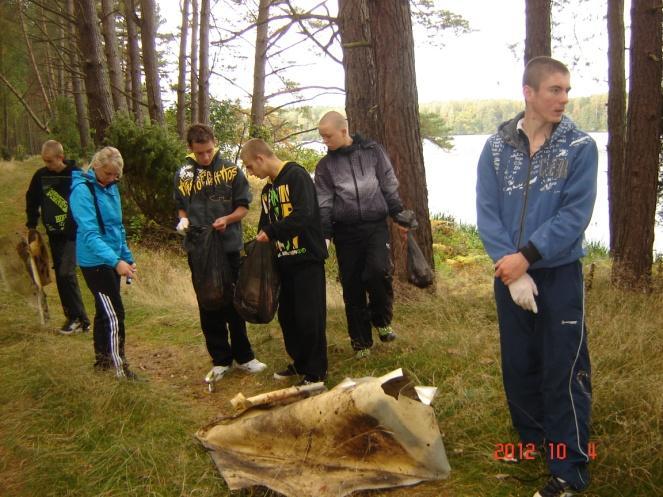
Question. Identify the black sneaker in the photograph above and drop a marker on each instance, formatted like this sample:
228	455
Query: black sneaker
309	380
386	334
71	326
287	373
85	325
556	487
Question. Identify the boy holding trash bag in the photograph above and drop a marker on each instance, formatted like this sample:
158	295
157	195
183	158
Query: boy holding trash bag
290	218
211	193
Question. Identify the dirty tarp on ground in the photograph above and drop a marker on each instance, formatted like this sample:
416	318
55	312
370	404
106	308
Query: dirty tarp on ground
367	433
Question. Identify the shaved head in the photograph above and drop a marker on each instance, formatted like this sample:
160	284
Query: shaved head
334	119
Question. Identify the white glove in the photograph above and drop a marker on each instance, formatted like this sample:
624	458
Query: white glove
183	225
523	291
327	241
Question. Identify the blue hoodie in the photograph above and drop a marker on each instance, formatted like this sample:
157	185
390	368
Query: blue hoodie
545	201
92	247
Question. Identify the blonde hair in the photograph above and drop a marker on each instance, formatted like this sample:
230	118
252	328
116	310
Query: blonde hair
255	147
53	147
108	156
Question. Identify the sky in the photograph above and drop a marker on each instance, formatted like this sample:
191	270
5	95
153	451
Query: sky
483	64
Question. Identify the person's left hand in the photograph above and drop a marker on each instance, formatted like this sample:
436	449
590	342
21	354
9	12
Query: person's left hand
262	237
402	230
511	267
220	224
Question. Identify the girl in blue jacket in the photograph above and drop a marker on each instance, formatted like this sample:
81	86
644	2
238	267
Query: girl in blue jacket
103	255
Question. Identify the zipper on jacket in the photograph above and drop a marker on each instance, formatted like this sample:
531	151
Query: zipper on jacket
354	178
522	214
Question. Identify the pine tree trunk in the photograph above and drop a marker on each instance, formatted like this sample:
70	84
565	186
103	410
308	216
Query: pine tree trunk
397	101
260	61
616	117
195	12
633	257
203	79
97	87
148	40
181	78
133	60
33	62
537	28
77	88
110	39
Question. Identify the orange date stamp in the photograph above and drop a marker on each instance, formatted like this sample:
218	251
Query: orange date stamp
528	452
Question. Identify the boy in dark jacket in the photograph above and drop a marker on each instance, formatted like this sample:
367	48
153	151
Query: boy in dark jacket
290	218
210	191
48	196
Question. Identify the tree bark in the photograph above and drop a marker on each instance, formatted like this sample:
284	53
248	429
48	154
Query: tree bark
359	64
616	117
203	80
633	252
77	87
181	79
112	56
537	28
195	12
133	56
397	101
260	61
97	87
148	39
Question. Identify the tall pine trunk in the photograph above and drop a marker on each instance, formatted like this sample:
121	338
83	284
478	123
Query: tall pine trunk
97	87
148	34
77	87
181	76
616	117
112	56
203	75
633	258
133	62
259	64
195	12
537	28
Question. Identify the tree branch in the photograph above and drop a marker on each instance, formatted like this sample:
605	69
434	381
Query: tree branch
284	138
43	126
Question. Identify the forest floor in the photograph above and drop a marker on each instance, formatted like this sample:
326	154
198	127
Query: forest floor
67	431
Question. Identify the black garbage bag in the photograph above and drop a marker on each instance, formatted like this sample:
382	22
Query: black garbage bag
419	272
258	286
210	270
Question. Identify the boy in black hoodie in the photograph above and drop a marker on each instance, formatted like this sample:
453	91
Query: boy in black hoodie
48	195
290	218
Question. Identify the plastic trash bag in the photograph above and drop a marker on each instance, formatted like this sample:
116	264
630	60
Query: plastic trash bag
210	270
419	272
258	286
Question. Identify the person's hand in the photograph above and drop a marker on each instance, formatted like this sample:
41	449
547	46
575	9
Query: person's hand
523	291
125	269
262	237
220	224
183	225
511	267
327	242
402	230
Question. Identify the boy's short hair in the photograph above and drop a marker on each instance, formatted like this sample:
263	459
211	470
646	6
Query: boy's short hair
108	156
255	147
199	133
53	147
539	67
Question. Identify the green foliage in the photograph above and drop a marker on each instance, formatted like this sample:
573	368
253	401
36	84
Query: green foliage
306	156
65	127
151	157
231	124
436	130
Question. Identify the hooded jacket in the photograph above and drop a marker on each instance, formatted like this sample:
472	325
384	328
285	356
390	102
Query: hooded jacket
94	248
207	193
48	193
541	204
355	184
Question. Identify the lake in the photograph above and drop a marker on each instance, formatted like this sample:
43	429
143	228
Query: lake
451	179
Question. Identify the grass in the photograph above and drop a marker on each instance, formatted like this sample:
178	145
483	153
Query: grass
65	431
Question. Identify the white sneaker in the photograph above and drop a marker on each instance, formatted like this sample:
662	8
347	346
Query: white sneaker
253	366
216	373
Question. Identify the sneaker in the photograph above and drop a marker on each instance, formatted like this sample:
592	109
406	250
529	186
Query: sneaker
71	326
556	487
287	373
216	373
253	366
85	325
386	334
131	376
309	380
362	353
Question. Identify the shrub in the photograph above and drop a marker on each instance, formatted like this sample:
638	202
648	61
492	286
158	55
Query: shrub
151	157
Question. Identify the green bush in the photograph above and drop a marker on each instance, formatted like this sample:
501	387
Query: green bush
151	157
65	128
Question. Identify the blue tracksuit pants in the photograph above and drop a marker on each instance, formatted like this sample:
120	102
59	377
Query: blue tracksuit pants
546	369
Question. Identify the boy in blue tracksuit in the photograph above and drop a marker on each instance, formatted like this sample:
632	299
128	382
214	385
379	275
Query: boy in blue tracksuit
103	255
536	188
